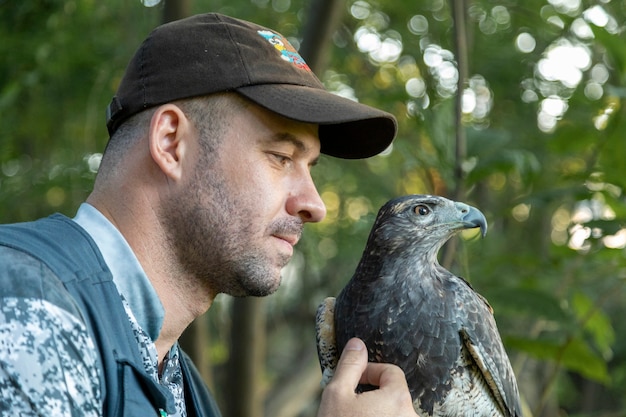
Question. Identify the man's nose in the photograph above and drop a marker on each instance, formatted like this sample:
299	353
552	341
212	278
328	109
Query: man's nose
305	202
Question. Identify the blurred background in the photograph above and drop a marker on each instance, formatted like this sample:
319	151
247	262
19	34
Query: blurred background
512	106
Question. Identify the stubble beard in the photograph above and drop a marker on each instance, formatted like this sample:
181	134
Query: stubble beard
214	245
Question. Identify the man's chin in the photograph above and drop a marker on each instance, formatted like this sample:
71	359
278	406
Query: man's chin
261	288
265	291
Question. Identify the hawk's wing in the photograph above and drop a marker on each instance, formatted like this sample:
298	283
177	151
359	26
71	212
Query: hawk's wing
481	338
326	339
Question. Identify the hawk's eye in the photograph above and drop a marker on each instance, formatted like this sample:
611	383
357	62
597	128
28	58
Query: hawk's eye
422	210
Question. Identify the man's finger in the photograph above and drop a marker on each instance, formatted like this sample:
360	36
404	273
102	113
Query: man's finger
384	375
351	364
391	381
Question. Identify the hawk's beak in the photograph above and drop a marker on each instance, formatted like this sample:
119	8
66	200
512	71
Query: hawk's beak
472	217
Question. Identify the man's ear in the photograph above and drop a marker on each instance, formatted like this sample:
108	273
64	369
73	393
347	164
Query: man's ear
168	135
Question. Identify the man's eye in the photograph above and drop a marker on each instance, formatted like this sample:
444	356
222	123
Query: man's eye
281	158
422	210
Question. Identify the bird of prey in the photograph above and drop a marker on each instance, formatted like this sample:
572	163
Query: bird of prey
412	312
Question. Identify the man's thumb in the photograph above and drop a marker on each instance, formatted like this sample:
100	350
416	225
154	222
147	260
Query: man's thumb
351	364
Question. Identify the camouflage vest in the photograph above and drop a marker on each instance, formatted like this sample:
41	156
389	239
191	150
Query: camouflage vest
127	389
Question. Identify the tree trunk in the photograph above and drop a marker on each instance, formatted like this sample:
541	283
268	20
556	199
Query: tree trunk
324	16
194	342
176	9
449	251
246	360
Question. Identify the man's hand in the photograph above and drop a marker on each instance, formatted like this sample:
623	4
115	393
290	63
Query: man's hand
390	399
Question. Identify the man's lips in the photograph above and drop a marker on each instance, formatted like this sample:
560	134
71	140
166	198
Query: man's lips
291	239
288	230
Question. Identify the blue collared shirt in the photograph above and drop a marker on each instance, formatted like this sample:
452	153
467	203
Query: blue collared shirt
128	275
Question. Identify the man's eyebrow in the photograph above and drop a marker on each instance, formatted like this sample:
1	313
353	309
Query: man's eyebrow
300	145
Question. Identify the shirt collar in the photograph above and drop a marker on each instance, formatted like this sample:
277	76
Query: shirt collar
128	275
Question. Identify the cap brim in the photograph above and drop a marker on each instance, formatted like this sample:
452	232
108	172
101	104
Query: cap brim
347	129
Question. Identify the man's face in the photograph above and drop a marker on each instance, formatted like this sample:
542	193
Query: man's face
236	220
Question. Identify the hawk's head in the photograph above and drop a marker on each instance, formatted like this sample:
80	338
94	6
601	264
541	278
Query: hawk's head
423	221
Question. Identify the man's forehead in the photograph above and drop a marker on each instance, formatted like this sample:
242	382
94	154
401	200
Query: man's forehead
304	135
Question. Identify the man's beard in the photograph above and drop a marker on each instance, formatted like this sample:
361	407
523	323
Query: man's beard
213	242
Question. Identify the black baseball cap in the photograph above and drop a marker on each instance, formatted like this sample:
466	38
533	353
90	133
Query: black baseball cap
211	53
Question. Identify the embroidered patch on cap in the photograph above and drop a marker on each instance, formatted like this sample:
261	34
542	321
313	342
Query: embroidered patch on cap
287	52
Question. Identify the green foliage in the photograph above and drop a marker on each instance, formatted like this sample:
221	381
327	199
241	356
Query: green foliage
574	355
60	67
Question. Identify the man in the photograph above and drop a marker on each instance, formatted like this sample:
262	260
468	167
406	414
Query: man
203	189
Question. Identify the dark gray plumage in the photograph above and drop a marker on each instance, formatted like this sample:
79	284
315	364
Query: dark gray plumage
412	312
